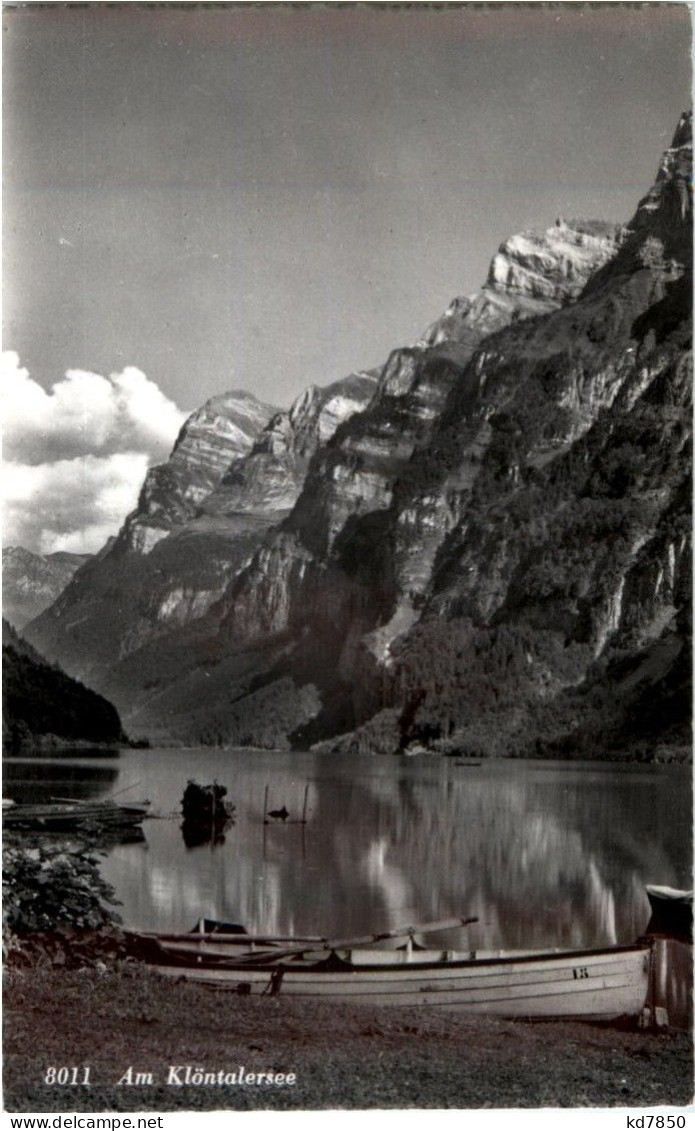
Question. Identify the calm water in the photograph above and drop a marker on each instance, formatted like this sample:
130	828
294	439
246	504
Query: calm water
545	854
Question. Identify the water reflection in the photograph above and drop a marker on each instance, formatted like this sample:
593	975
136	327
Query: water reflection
673	981
196	834
40	779
545	854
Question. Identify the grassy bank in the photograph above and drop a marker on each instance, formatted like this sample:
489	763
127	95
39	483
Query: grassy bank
120	1016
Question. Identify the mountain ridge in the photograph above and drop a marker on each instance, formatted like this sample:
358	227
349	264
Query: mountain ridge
425	548
31	582
43	707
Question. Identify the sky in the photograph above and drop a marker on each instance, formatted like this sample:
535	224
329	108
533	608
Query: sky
270	197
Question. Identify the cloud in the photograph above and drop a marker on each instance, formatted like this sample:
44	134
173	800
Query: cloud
84	414
75	457
70	504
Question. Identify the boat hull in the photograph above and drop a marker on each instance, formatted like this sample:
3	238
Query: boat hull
603	984
66	817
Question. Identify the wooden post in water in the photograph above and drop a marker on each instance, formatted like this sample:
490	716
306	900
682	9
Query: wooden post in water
306	795
265	806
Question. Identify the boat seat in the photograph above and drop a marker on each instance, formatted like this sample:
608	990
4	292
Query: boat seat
373	957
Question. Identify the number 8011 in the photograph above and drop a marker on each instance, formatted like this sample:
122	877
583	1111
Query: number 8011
73	1075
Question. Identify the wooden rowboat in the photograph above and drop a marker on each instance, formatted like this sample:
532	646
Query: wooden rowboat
68	815
585	983
602	983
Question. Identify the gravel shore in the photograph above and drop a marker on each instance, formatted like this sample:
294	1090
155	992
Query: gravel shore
127	1017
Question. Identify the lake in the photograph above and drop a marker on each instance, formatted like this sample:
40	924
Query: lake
544	853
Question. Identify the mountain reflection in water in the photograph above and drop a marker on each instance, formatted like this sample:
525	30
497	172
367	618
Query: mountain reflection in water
40	779
545	854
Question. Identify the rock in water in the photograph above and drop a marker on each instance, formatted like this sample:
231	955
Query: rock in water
206	814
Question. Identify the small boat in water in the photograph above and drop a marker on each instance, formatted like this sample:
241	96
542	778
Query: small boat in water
68	815
672	912
602	983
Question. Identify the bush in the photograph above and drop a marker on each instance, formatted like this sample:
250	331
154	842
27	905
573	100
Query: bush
48	888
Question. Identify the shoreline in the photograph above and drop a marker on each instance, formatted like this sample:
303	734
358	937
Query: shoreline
125	1016
676	756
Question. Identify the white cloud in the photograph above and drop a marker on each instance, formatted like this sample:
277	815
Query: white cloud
76	456
70	504
84	413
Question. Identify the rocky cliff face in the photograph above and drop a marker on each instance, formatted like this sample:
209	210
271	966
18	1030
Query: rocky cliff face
531	274
502	533
488	547
543	534
349	490
235	470
336	456
32	582
213	437
167	565
353	476
272	476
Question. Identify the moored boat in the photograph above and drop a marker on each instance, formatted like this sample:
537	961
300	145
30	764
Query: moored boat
672	912
604	983
59	816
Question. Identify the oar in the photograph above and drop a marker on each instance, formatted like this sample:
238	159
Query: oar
363	940
126	788
95	801
76	800
226	937
321	940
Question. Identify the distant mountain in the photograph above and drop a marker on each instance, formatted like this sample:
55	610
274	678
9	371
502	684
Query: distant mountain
41	703
31	582
167	563
236	469
484	546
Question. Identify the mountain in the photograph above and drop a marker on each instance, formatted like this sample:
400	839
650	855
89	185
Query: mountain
492	556
539	544
532	273
270	479
236	469
31	582
211	439
41	703
166	578
166	564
